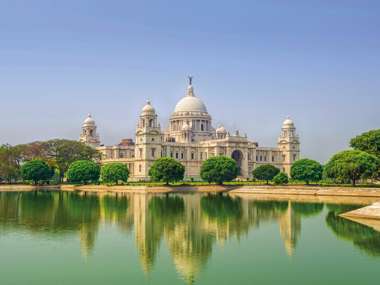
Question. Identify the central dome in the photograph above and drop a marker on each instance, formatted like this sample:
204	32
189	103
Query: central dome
190	103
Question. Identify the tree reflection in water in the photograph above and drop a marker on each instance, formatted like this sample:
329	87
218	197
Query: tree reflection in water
365	238
190	224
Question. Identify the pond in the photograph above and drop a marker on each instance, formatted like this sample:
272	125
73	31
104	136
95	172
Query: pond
81	238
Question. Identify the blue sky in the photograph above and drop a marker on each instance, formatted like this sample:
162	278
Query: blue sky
254	63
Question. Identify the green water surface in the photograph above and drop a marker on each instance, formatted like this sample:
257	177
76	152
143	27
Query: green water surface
78	238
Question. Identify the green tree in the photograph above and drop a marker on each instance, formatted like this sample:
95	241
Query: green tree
167	170
265	172
351	165
368	142
65	152
219	169
83	171
9	163
306	170
59	153
114	172
36	171
281	178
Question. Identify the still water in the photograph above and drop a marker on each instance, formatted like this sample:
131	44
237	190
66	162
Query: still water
77	238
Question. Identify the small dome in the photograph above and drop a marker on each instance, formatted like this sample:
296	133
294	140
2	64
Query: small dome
89	120
148	108
186	127
288	122
221	130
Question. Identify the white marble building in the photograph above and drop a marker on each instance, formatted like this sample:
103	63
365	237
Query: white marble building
191	138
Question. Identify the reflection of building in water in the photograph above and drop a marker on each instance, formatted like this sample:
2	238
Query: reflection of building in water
290	229
188	242
190	223
147	232
87	235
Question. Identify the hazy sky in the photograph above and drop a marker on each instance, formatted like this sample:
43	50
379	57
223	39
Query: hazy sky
254	63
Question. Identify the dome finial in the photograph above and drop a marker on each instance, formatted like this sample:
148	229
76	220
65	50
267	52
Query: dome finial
190	77
190	89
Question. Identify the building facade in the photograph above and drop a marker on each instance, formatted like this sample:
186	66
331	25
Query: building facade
191	139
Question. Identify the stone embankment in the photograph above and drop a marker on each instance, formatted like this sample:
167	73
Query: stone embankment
26	188
147	189
308	190
368	212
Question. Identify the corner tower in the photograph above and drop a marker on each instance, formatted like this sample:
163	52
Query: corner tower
289	144
89	134
148	141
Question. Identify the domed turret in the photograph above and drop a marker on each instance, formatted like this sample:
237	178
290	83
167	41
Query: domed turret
89	121
288	123
288	142
89	135
148	108
221	132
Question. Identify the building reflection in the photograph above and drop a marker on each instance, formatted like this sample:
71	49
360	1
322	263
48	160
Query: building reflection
189	224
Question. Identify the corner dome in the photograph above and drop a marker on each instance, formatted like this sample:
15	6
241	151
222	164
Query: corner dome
288	122
148	108
89	120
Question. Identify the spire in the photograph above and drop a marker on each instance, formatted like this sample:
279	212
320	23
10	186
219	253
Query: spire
190	89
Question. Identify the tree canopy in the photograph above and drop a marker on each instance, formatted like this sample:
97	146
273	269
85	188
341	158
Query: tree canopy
351	165
83	171
114	172
306	170
36	171
57	153
368	142
219	169
265	172
281	178
167	170
9	163
65	152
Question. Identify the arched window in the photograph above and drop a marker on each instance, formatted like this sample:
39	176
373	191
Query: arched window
202	127
151	123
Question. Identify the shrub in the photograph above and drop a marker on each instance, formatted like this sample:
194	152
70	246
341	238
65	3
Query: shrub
281	178
83	171
306	170
36	170
114	172
219	169
167	170
352	165
265	172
